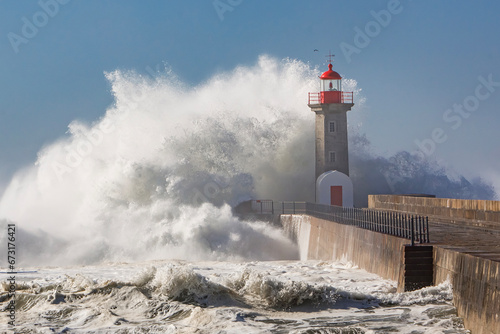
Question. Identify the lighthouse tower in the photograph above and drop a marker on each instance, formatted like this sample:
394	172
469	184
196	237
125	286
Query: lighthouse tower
331	105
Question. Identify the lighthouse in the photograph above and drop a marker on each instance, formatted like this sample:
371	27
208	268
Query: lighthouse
331	104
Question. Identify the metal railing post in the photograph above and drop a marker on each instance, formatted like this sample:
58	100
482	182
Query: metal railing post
384	230
394	223
427	228
398	224
412	232
387	223
420	230
391	223
406	234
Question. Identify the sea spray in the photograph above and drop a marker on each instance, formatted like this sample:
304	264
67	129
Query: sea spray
155	176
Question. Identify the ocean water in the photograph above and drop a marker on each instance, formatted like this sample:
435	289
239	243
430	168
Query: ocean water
226	297
128	222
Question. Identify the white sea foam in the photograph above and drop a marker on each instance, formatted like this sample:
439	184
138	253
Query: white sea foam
237	297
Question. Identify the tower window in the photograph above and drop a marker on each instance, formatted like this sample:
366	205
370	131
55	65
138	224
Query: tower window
331	126
332	156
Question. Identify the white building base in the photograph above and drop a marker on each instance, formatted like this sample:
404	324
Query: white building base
334	188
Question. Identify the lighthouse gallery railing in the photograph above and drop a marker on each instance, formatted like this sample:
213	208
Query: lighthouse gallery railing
412	227
315	98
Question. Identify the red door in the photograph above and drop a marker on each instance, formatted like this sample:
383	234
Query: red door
336	195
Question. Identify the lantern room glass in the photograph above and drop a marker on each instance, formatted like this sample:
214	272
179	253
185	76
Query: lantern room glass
331	85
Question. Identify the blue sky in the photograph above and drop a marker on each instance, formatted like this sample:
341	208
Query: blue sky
413	64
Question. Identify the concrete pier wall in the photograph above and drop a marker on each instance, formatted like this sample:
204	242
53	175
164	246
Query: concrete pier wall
476	288
324	240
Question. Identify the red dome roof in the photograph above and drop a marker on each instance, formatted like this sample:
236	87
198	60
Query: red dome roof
330	74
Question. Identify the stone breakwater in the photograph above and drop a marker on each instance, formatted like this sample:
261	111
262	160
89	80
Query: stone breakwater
464	251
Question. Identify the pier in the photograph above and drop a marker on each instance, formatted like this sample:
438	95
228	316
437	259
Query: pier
449	239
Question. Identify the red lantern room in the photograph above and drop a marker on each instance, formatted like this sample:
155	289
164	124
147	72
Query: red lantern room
331	80
330	89
331	86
